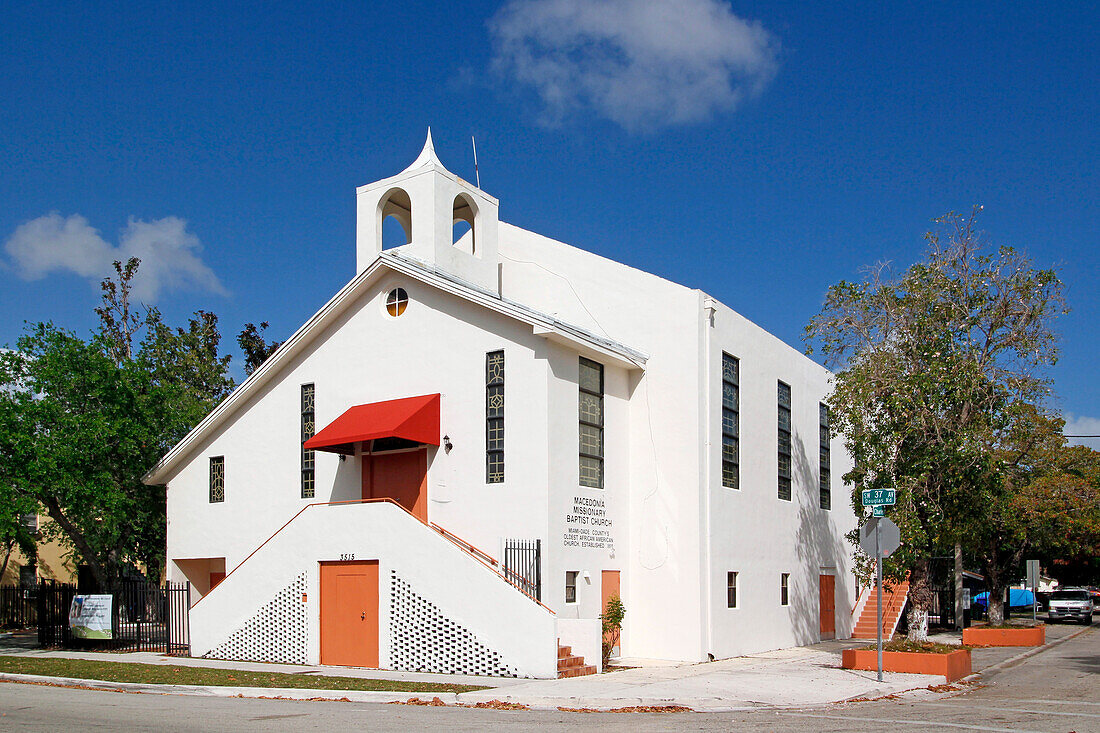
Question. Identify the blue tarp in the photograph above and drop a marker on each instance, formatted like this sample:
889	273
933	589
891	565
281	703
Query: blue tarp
1017	597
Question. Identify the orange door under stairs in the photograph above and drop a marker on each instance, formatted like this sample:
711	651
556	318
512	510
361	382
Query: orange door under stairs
401	476
349	613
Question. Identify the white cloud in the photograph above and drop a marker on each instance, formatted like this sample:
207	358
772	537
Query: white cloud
1081	425
171	257
643	64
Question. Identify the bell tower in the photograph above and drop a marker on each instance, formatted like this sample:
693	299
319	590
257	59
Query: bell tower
428	200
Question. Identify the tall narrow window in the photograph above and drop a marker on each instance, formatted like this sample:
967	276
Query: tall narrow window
784	599
824	477
591	423
570	586
309	427
217	479
731	589
784	441
494	417
731	369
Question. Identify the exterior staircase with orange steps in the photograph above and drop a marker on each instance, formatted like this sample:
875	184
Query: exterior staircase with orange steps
893	602
570	665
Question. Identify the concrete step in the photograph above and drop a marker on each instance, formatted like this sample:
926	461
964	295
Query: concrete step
564	651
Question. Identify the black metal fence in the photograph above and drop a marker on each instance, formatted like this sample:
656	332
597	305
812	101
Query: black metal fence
523	566
150	618
18	607
53	602
144	617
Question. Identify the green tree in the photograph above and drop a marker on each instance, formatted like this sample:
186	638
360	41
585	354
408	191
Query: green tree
256	349
1040	498
82	421
932	366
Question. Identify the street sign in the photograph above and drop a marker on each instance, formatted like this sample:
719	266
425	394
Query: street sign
889	536
879	497
879	537
1033	581
1033	575
878	510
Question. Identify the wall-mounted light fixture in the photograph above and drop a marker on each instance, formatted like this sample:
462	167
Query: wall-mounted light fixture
447	444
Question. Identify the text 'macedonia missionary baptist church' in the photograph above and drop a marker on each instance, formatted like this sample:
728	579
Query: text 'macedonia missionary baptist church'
475	443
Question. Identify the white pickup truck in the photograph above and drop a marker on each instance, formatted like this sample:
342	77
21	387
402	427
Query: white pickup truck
1070	604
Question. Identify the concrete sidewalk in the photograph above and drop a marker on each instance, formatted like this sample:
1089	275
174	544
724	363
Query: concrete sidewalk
790	678
800	677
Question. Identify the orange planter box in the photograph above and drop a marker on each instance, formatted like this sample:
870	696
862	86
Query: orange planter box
953	666
980	636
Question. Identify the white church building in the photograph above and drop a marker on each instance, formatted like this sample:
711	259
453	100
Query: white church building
475	443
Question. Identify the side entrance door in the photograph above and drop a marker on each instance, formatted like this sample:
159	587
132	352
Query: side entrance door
401	476
827	591
349	613
609	583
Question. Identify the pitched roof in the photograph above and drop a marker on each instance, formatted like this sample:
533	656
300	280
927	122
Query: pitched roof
541	324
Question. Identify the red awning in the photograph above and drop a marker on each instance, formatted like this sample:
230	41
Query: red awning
410	418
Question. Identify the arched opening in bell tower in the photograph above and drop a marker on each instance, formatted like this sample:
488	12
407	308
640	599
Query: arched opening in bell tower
464	229
395	219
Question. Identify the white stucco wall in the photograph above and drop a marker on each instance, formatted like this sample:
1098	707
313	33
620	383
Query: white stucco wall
752	531
673	531
464	590
437	345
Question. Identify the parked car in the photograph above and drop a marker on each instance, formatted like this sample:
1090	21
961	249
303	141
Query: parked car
1070	604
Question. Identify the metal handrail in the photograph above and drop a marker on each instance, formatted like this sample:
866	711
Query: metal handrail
482	557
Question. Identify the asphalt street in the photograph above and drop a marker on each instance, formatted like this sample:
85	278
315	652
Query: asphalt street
1056	690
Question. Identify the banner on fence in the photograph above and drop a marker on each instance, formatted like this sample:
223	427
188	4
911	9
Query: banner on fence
90	617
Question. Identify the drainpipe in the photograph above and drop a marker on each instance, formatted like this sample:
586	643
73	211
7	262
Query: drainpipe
709	309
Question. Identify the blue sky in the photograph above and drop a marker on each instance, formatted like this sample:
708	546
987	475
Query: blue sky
758	151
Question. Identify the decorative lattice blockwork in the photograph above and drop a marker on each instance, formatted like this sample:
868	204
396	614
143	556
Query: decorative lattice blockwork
277	633
423	640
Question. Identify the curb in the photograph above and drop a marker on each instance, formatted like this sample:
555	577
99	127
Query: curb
1012	661
284	693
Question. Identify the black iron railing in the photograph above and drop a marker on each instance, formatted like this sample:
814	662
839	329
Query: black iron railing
144	617
523	566
54	600
147	617
18	607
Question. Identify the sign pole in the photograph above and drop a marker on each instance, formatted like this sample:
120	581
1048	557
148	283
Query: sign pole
878	577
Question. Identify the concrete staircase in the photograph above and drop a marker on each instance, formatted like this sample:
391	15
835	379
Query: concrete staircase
570	665
893	601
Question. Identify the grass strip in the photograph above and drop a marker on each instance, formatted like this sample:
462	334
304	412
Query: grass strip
169	674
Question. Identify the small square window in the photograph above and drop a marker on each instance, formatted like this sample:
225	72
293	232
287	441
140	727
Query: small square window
28	575
570	586
731	590
783	597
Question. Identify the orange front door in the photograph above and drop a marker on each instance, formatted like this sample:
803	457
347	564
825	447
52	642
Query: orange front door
402	477
827	591
610	587
349	613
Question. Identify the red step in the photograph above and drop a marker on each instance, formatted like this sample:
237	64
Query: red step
893	600
572	665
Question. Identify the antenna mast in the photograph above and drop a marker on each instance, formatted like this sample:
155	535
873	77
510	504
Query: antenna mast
477	176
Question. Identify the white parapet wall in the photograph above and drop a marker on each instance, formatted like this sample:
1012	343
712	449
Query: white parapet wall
440	609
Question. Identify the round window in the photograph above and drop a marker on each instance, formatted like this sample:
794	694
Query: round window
397	301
